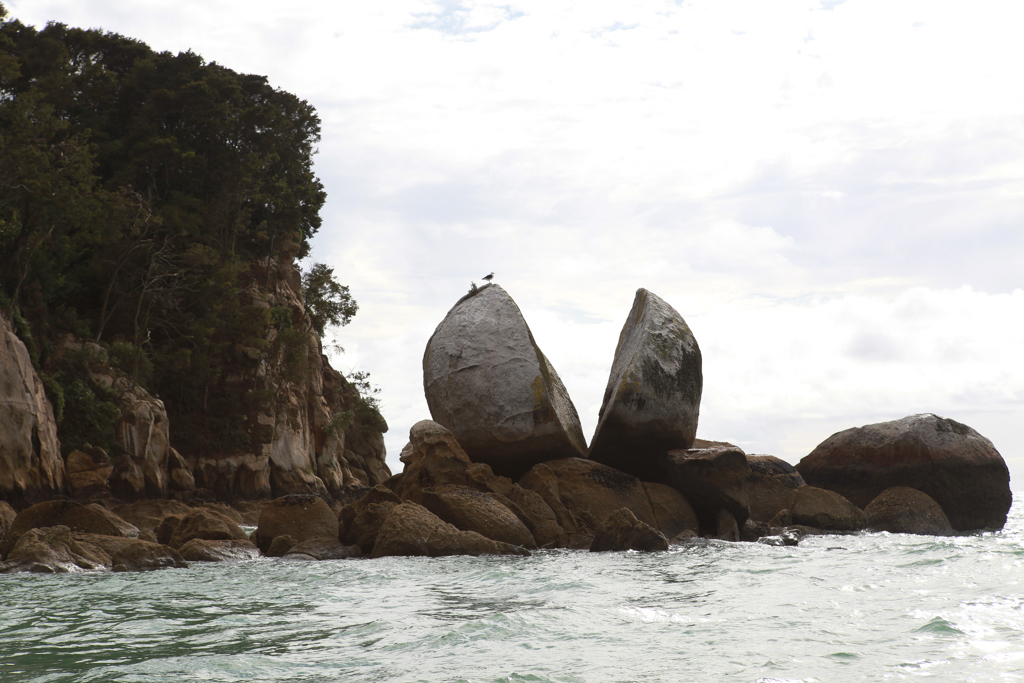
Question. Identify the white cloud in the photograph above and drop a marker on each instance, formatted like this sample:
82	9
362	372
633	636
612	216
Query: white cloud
831	193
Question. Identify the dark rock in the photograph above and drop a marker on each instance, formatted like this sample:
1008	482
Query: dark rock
249	510
147	514
167	526
685	536
141	556
586	492
347	533
488	382
623	531
754	530
203	550
322	549
672	511
726	527
52	513
471	510
652	400
823	509
770	481
712	479
902	510
52	550
207	524
280	546
412	530
88	472
300	516
955	465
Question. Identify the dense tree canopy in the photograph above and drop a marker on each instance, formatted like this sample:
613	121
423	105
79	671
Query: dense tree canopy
139	191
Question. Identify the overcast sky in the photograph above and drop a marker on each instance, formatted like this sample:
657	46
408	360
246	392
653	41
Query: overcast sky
831	193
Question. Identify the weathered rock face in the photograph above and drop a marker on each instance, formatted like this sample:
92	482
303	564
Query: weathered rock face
412	530
315	434
770	481
586	493
31	467
823	509
652	401
711	479
472	510
623	531
488	382
303	517
88	472
955	465
902	510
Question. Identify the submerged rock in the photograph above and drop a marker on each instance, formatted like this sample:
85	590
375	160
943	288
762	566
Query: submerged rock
955	465
823	509
203	550
902	510
623	531
652	401
488	382
52	550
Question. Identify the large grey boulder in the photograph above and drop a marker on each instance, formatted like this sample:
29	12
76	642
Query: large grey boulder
652	400
30	464
955	465
488	382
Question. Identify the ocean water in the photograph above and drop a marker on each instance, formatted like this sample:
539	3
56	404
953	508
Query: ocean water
862	607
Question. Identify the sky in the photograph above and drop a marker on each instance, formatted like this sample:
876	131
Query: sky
830	192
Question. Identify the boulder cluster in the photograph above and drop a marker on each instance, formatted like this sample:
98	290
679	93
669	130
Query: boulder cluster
503	469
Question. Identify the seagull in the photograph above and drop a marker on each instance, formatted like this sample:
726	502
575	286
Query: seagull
489	277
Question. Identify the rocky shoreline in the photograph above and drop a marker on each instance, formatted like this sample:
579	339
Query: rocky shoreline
502	468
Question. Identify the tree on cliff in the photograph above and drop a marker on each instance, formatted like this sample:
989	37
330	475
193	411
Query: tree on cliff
142	194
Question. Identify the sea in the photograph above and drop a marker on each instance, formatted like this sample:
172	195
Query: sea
858	607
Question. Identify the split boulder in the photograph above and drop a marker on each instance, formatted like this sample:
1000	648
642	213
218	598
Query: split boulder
652	400
488	382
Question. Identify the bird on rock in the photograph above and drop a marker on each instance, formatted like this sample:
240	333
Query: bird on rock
489	277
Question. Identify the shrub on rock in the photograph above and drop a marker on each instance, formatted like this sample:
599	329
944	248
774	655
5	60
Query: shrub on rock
652	400
955	465
902	510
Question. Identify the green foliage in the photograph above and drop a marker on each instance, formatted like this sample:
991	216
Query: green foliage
368	408
328	302
142	196
87	411
339	423
473	289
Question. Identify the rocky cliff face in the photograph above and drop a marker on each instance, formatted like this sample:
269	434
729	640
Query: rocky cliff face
315	434
30	464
